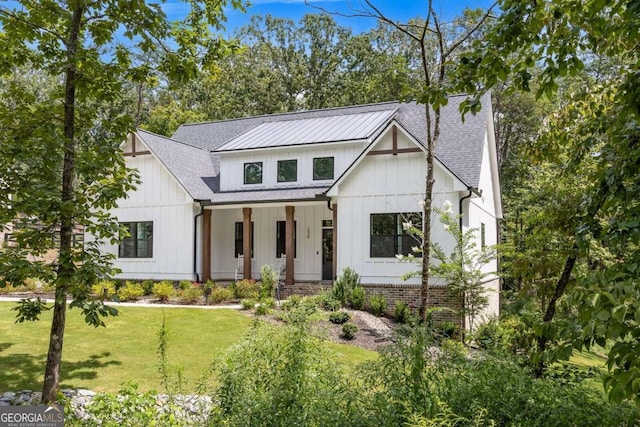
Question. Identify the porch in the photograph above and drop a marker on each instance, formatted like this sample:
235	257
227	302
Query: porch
298	234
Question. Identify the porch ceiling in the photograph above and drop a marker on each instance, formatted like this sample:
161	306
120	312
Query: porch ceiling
270	196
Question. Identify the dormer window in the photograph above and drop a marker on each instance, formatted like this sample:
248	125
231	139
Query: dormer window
322	168
253	173
287	170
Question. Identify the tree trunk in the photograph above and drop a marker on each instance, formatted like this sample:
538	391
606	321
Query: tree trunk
66	266
426	229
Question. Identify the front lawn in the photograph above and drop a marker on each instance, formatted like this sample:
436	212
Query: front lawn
102	359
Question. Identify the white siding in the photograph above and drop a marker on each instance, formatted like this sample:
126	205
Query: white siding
308	217
386	184
162	200
232	165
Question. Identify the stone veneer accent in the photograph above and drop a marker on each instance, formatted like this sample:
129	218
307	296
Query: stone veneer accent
439	296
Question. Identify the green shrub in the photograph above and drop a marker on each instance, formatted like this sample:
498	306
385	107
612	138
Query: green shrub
268	281
358	297
270	303
344	287
163	290
104	285
326	301
147	286
192	294
248	304
508	335
131	291
378	305
339	317
246	289
291	303
261	309
349	331
220	294
448	329
184	284
401	312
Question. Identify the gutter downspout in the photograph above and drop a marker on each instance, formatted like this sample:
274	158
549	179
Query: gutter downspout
195	242
462	199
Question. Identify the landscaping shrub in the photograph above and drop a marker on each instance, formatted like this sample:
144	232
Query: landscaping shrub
99	288
344	287
349	331
192	294
270	303
261	309
163	290
401	312
291	303
378	305
358	297
326	301
220	294
131	291
268	281
248	304
507	335
339	317
447	329
283	376
246	289
147	286
184	284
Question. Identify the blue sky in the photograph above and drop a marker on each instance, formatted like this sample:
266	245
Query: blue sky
399	10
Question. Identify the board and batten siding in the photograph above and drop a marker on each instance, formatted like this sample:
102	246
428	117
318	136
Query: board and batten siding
232	165
159	198
308	217
386	183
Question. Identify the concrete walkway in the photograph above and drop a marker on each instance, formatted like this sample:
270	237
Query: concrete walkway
133	304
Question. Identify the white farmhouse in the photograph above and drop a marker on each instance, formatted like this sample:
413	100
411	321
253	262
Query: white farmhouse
317	191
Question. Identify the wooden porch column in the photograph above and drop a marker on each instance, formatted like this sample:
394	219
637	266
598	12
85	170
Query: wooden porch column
335	242
289	245
246	242
206	245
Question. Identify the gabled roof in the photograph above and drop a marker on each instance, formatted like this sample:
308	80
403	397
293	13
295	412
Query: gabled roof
192	167
317	130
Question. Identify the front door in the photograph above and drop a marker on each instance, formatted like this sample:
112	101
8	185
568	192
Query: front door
327	254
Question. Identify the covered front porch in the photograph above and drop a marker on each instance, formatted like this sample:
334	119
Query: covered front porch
296	234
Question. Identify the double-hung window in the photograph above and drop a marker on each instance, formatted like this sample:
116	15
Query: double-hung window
139	243
388	236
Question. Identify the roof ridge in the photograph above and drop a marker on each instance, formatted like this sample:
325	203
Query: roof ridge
171	139
292	113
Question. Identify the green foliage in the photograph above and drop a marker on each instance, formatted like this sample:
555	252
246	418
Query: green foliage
378	305
192	294
448	329
246	288
104	289
220	294
401	312
261	309
282	376
184	284
147	287
248	304
339	317
349	331
268	281
29	310
326	301
347	289
131	291
163	290
507	336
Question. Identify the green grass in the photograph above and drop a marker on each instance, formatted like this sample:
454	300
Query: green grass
102	359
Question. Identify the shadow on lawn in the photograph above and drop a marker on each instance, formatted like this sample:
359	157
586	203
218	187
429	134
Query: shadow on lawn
26	371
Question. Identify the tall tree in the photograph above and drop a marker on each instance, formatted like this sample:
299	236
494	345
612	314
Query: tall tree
439	43
60	151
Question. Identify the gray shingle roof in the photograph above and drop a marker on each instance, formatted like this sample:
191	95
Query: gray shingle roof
191	166
186	154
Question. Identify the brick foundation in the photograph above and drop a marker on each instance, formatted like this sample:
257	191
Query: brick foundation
439	296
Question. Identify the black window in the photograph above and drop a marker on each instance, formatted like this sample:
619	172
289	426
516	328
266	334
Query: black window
388	236
139	243
323	168
253	173
287	170
239	249
281	233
